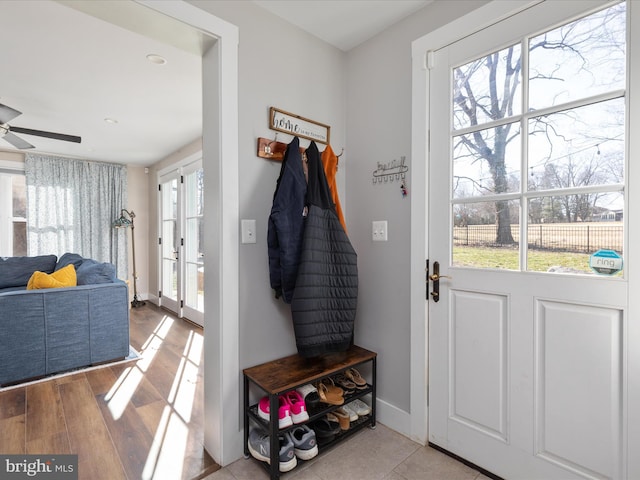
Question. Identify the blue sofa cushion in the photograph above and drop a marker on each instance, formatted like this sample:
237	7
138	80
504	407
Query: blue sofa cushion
68	258
92	272
16	271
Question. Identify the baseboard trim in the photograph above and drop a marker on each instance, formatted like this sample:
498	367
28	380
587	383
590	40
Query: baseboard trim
396	419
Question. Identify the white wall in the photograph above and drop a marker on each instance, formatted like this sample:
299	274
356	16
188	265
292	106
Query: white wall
138	203
9	156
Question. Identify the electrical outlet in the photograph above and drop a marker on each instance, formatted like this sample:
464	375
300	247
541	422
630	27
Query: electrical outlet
379	231
248	231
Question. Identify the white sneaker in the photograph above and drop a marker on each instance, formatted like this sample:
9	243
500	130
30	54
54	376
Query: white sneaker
360	407
353	416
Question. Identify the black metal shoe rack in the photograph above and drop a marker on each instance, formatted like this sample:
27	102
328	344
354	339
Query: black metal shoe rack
280	376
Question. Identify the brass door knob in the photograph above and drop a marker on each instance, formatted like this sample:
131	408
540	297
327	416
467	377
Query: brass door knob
435	277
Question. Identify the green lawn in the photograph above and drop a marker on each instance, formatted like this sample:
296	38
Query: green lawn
507	258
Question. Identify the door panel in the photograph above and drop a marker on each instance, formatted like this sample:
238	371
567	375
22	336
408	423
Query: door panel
478	371
579	386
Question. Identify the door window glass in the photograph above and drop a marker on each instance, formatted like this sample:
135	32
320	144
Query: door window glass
548	141
194	239
170	239
578	60
487	161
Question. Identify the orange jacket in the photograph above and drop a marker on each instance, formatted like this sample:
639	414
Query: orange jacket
330	164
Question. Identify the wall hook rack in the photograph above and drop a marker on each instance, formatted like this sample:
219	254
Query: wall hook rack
271	149
390	171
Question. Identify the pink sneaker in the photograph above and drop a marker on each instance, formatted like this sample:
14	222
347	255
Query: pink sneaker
284	411
298	407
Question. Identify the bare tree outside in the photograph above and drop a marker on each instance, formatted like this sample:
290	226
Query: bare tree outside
573	119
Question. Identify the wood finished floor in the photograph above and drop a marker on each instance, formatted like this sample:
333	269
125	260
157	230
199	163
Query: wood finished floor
141	420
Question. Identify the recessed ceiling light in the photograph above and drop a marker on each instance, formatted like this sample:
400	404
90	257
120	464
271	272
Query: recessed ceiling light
157	59
113	121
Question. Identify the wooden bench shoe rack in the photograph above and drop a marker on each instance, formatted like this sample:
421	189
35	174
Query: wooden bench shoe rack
277	377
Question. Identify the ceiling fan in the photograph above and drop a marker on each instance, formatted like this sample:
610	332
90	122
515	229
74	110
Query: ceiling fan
6	131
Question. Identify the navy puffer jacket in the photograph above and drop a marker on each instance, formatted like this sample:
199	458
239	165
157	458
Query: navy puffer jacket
286	223
324	301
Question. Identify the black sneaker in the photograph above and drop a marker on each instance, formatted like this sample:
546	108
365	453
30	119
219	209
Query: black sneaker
304	442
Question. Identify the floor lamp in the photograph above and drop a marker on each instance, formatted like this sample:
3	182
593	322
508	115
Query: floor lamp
124	222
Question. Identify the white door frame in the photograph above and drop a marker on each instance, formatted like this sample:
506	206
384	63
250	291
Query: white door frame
222	434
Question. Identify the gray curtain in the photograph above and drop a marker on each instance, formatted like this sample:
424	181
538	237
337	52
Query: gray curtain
71	206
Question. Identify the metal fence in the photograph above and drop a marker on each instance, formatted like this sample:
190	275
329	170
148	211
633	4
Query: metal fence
579	237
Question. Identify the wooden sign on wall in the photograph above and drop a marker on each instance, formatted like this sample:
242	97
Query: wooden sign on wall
292	124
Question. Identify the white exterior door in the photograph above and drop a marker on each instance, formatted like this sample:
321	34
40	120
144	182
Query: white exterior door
529	141
181	241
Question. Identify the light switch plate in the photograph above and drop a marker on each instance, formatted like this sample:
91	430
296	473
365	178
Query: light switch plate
248	231
379	231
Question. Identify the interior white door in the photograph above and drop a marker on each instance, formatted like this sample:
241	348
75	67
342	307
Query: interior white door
527	344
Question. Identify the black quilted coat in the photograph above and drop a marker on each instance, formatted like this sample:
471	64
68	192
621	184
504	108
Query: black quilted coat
324	301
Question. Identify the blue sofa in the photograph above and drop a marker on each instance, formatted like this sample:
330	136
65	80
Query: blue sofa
53	330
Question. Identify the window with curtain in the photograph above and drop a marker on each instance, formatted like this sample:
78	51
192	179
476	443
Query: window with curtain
71	206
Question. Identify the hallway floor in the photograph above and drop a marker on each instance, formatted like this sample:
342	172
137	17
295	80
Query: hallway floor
367	455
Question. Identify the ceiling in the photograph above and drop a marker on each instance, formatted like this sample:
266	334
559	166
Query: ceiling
343	23
70	66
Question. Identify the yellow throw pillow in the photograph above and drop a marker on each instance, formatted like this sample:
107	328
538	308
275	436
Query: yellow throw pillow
65	277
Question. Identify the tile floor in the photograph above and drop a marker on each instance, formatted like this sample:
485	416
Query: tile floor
368	455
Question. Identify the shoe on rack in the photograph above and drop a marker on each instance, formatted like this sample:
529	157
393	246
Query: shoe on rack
347	385
309	395
328	396
305	445
360	407
332	387
353	375
343	418
259	447
297	406
284	411
353	416
325	429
